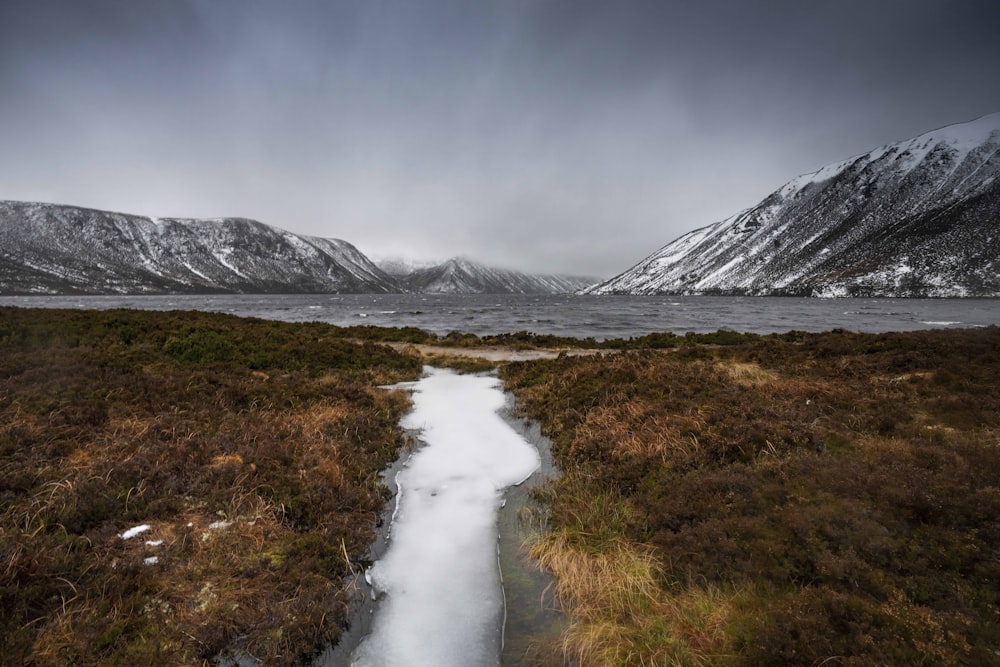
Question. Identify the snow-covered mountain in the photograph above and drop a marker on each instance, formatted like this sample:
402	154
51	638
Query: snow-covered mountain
914	218
464	276
49	248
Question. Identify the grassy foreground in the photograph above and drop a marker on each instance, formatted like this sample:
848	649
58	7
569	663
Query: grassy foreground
829	499
250	448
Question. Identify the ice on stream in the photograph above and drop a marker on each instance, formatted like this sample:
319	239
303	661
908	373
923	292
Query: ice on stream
442	602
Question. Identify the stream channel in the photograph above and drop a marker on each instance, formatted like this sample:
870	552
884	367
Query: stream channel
449	582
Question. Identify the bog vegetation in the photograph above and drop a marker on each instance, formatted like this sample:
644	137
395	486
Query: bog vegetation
828	499
725	499
250	449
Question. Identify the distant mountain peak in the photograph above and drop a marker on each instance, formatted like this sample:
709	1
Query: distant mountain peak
462	275
396	265
913	218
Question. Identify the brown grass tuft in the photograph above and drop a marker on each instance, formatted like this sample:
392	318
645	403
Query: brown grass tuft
620	614
747	372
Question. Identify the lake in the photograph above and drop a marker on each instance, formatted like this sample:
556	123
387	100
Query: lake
600	317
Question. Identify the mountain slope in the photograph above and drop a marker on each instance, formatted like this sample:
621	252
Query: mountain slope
49	248
915	218
463	276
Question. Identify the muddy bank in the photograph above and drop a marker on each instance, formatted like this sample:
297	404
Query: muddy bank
533	622
364	600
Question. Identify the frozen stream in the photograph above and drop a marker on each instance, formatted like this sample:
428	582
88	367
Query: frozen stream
441	601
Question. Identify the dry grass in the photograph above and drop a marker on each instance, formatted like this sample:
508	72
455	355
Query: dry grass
251	448
621	615
747	372
795	500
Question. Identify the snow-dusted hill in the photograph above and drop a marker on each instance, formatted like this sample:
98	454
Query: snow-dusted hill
915	218
49	248
463	276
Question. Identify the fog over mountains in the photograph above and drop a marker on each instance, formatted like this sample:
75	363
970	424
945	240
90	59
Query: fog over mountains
910	219
55	249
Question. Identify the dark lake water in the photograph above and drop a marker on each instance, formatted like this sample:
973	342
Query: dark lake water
601	317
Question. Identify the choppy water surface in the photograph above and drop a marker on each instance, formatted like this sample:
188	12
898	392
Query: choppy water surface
600	317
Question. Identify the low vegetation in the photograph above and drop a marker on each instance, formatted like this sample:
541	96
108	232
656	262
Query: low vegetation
525	340
725	499
250	449
827	499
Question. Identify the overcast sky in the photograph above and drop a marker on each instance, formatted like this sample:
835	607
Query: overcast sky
568	136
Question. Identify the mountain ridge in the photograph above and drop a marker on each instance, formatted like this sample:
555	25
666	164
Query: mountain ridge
65	249
916	217
56	248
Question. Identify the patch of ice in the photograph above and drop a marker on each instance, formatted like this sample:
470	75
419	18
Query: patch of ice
153	543
216	525
137	530
443	604
152	560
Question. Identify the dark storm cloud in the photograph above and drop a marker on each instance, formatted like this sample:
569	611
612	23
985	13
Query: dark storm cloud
548	135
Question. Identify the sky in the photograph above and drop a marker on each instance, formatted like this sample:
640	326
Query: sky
565	136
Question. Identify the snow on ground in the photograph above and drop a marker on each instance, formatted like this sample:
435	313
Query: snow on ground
443	604
137	530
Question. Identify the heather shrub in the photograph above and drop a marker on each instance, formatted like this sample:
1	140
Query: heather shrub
251	448
828	498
